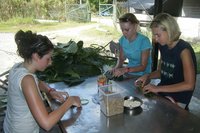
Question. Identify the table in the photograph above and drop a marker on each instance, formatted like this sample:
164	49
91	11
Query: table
156	115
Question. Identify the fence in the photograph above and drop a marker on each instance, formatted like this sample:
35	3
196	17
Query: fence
78	12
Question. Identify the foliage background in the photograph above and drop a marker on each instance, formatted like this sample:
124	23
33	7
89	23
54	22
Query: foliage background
33	8
42	8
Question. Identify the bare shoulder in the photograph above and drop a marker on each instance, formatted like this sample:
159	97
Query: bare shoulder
28	82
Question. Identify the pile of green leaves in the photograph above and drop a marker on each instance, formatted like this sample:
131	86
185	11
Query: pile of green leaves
72	63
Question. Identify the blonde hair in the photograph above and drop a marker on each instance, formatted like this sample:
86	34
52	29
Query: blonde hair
167	23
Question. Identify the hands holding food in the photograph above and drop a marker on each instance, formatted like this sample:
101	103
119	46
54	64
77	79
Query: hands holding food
148	90
118	71
57	95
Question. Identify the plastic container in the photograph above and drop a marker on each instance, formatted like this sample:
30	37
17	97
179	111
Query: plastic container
101	80
111	99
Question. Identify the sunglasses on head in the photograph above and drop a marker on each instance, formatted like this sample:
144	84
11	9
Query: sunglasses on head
124	20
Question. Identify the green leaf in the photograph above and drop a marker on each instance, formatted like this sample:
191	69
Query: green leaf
70	47
71	62
73	82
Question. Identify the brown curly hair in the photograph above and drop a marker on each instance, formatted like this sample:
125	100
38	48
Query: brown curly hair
29	43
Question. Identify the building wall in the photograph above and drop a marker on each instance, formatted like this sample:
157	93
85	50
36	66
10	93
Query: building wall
189	21
191	8
190	27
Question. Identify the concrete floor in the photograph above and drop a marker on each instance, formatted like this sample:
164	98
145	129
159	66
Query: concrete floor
194	105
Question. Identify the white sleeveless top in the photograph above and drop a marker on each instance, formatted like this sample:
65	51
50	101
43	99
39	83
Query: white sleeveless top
18	117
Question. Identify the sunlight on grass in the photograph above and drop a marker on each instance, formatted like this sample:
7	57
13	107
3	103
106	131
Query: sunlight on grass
105	32
196	48
15	25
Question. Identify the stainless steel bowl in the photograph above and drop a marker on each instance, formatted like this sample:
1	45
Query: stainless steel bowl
131	102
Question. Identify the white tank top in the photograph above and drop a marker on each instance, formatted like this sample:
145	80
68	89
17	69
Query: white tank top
18	117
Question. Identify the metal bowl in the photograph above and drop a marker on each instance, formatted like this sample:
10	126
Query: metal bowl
133	112
131	102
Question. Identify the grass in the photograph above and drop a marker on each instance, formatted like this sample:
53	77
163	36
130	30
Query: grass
196	47
198	61
36	27
16	24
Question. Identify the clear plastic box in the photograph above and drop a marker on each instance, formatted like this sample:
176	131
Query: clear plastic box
111	99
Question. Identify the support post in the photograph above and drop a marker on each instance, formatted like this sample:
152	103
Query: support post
158	4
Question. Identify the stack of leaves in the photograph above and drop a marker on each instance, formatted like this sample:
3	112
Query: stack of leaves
72	63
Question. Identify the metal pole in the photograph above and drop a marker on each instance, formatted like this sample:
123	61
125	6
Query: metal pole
99	8
114	11
158	5
128	6
66	10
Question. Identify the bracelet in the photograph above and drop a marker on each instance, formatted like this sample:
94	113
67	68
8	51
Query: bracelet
50	90
148	76
127	69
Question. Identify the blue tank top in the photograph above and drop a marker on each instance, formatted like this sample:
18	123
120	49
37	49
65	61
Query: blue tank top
133	52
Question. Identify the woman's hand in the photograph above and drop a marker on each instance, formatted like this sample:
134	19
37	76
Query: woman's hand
150	88
60	96
119	71
75	101
142	81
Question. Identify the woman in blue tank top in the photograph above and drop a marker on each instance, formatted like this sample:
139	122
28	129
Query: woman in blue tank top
135	47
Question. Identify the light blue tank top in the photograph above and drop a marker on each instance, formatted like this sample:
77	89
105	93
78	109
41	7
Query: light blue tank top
133	52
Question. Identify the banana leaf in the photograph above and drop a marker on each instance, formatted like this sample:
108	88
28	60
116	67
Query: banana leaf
71	63
72	82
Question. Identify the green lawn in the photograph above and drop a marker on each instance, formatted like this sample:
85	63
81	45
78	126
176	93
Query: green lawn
198	61
196	47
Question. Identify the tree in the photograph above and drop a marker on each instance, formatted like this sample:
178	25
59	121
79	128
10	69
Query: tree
94	5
